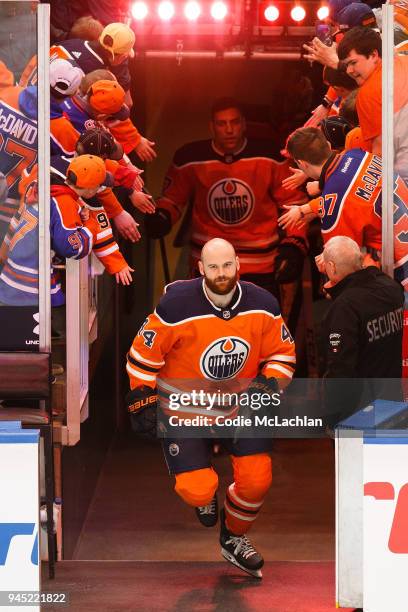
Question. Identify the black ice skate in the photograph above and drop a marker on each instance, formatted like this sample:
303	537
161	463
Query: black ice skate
208	515
239	551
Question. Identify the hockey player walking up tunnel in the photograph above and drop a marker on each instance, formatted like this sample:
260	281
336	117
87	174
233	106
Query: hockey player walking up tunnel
235	185
213	315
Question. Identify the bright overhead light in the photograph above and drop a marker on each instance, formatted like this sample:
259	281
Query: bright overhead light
219	11
271	13
192	10
139	11
298	13
166	10
323	12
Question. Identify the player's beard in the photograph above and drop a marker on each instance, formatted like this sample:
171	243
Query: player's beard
222	284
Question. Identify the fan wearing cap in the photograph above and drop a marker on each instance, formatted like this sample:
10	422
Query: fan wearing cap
107	102
119	40
70	238
348	14
105	200
111	51
104	102
85	176
97	141
65	79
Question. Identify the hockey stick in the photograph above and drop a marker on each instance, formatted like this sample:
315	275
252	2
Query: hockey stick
163	252
165	261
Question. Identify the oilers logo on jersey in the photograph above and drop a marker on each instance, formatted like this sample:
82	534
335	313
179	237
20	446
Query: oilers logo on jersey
231	201
224	358
90	124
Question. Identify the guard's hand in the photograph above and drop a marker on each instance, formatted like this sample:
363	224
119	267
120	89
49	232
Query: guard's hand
321	266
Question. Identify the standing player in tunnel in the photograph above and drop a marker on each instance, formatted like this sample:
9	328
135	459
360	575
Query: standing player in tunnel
198	323
235	186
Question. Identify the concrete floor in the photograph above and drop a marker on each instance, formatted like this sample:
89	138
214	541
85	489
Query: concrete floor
135	514
131	586
142	549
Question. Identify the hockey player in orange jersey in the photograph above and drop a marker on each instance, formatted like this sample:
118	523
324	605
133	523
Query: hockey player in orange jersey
235	185
213	330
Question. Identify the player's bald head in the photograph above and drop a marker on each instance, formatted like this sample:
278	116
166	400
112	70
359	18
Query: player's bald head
217	248
219	265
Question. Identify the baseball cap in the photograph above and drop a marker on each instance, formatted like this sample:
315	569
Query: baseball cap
354	139
356	14
87	172
106	96
97	141
118	38
335	129
65	78
335	6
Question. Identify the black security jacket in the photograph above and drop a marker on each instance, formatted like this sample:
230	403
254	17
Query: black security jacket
363	339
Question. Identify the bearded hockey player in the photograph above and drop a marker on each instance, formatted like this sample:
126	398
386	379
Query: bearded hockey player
214	328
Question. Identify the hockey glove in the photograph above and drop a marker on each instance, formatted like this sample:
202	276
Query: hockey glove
158	224
141	404
288	264
262	384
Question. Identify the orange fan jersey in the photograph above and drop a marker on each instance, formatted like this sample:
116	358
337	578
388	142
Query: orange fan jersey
351	205
234	196
188	342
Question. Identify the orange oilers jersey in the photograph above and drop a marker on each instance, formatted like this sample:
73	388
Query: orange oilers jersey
103	243
109	201
234	196
126	133
105	246
351	205
188	342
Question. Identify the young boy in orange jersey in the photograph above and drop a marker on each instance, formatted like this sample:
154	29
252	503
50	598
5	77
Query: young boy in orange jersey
213	330
85	175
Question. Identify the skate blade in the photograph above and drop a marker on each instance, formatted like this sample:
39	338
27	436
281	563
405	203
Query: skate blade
228	557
